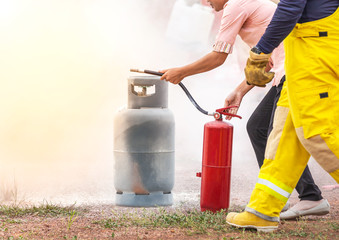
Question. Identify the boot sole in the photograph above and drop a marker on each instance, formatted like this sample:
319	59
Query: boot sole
259	229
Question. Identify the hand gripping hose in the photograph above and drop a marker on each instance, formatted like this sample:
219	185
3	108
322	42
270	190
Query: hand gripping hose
217	114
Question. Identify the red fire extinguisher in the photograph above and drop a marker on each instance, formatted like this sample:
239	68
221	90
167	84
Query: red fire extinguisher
216	163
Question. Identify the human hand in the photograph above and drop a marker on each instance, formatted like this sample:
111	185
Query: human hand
255	69
233	99
173	75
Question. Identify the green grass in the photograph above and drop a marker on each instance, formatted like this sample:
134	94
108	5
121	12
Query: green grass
334	226
73	216
196	221
192	222
44	210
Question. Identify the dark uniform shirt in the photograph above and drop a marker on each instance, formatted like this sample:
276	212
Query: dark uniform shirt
290	12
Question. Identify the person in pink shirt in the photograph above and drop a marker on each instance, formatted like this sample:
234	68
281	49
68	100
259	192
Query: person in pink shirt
249	19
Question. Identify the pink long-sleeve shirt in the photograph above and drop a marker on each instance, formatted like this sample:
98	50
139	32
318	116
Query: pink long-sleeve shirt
249	19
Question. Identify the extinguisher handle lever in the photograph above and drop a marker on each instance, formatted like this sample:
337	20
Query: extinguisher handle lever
223	111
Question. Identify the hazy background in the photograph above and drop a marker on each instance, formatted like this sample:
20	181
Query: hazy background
63	71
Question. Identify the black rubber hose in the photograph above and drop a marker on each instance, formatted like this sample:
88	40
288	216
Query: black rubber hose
184	89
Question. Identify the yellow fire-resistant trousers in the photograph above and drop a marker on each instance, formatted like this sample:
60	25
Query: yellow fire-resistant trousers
306	120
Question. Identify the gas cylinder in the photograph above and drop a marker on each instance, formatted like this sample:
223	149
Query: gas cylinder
216	163
144	145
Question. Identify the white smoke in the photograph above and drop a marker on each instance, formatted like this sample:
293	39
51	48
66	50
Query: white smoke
64	69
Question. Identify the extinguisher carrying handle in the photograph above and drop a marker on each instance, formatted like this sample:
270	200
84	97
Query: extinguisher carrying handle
223	111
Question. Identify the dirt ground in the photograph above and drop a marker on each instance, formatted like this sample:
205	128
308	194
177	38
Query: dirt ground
94	223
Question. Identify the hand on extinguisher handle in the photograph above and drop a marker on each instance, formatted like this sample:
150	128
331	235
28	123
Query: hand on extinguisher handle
224	111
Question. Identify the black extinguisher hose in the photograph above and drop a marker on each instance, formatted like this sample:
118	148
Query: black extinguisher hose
181	85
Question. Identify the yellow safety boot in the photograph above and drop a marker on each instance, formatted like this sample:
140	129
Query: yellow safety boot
249	220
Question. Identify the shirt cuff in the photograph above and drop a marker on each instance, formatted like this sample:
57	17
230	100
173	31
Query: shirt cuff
224	47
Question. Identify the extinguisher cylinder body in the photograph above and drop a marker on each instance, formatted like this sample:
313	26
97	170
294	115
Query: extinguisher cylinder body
216	166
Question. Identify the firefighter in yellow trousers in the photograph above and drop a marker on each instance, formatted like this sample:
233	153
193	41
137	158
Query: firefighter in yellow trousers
306	121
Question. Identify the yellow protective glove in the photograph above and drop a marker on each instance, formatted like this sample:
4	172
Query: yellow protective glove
255	69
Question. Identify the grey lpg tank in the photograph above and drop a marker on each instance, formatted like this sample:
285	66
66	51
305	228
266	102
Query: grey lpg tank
144	145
